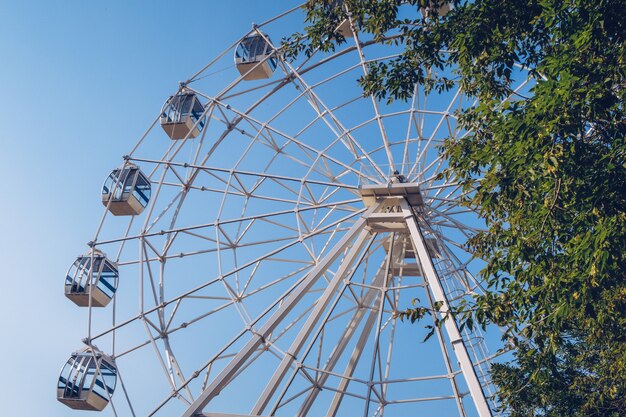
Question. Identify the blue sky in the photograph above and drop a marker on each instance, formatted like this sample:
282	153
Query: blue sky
79	81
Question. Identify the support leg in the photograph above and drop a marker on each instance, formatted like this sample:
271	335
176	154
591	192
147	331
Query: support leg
310	323
224	377
347	335
460	350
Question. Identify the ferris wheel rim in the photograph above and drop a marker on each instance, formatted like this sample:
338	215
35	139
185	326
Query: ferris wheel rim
169	172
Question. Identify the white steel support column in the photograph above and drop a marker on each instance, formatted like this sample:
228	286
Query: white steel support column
375	296
354	360
225	376
446	358
346	337
460	350
310	323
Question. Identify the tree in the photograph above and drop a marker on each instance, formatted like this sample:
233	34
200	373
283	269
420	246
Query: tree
547	172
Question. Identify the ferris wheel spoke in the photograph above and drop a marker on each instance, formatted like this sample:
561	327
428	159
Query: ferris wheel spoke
323	110
411	113
338	350
264	129
189	323
231	272
318	152
421	157
367	300
417	117
466	231
447	209
437	202
320	156
189	229
233	124
310	279
229	302
383	132
449	221
450	190
325	113
435	168
217	248
440	186
464	192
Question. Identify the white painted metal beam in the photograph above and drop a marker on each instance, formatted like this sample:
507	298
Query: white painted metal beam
310	323
225	376
372	293
349	332
460	350
227	415
354	360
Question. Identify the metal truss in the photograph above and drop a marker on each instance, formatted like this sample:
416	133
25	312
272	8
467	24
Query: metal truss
392	215
267	274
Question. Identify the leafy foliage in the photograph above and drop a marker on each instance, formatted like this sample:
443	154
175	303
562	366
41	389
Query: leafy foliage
547	171
569	384
417	313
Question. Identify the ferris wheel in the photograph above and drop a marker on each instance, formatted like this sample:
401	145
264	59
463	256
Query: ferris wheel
262	238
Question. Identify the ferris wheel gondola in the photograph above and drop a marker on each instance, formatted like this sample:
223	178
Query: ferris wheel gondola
254	57
126	191
87	380
182	116
91	280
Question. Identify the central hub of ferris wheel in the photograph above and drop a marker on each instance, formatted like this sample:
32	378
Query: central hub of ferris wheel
389	217
372	193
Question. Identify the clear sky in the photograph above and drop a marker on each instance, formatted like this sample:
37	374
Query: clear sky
79	83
